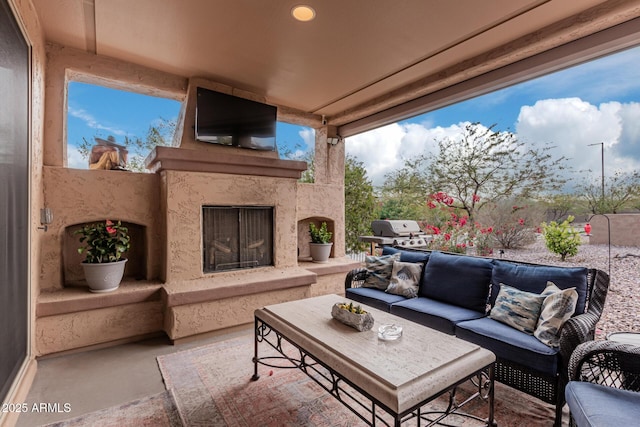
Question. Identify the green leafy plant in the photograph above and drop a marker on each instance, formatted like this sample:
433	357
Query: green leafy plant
561	238
103	241
319	235
352	308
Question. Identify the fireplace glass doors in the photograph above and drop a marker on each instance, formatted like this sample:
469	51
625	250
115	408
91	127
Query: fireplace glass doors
237	237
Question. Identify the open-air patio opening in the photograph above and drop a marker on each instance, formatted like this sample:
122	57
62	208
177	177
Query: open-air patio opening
179	286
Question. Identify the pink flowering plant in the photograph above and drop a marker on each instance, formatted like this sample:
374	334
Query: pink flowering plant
103	241
453	232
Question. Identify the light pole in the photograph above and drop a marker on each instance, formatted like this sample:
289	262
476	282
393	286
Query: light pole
601	144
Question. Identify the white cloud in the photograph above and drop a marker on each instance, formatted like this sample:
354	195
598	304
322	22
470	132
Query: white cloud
385	149
75	159
92	122
572	124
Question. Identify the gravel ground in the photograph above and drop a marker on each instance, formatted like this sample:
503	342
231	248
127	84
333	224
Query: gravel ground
622	306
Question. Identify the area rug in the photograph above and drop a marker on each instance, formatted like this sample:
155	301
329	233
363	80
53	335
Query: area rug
212	385
158	410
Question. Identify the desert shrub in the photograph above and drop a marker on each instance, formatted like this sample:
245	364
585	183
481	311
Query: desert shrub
561	238
514	225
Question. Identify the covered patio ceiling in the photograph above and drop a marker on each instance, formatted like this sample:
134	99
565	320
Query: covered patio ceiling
359	63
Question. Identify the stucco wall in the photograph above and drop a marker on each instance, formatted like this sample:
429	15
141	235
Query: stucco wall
77	196
625	230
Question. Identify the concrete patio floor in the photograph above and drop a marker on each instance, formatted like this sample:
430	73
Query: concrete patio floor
101	378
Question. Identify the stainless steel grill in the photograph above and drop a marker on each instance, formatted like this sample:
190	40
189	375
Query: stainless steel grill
404	233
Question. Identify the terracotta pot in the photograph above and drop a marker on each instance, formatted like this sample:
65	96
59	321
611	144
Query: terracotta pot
104	277
320	251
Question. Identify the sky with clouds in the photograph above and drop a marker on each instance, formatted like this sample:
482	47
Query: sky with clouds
571	109
588	104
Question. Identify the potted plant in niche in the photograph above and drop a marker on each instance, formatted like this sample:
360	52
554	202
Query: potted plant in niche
104	243
320	246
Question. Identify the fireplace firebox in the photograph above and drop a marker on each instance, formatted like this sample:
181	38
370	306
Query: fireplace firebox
237	237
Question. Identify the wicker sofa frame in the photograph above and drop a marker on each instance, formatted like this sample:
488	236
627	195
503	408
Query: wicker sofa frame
607	363
576	330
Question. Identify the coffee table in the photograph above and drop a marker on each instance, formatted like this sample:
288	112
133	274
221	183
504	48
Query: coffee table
398	377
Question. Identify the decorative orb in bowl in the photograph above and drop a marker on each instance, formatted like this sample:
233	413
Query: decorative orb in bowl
389	332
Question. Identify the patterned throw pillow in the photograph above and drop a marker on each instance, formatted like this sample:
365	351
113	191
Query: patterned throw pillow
558	306
405	277
518	309
379	270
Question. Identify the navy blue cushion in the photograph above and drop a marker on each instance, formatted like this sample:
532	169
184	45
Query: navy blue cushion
407	256
593	405
373	297
534	279
434	314
510	344
457	279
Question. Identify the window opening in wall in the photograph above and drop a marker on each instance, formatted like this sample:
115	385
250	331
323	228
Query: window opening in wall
115	129
297	142
236	237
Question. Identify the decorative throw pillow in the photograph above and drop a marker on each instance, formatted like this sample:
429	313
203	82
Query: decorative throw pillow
379	270
518	309
405	277
558	306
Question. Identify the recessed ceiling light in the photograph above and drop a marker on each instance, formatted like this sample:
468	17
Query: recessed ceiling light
303	13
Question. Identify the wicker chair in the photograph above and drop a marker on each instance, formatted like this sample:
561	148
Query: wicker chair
577	330
604	387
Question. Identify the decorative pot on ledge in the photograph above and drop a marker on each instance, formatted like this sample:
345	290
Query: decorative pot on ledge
104	277
320	252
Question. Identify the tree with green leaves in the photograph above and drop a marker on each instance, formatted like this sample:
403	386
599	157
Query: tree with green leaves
620	191
561	238
484	165
404	192
359	203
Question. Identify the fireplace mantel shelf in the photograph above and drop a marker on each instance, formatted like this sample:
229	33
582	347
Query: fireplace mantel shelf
181	159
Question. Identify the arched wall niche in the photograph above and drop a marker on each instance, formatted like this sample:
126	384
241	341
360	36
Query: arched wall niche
135	269
303	235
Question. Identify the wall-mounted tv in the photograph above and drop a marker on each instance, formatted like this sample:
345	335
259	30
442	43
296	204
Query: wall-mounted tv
230	120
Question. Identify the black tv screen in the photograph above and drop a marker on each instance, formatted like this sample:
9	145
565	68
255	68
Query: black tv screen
229	120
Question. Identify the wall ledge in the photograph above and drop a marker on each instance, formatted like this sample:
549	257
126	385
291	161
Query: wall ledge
227	285
76	299
182	159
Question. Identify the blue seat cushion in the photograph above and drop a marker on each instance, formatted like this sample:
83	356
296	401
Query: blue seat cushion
534	278
407	256
373	297
593	405
434	314
457	279
510	344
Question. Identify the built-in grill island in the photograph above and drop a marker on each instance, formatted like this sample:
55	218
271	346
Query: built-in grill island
401	233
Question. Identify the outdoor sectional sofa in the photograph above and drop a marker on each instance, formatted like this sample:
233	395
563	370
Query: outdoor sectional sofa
456	294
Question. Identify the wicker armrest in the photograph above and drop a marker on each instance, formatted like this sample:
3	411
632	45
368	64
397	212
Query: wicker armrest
355	278
606	363
575	331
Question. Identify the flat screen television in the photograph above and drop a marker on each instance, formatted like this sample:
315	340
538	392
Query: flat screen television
230	120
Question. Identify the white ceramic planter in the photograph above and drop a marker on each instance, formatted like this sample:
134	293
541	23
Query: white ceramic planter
320	251
104	277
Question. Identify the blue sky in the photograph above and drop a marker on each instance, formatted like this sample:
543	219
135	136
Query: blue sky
591	103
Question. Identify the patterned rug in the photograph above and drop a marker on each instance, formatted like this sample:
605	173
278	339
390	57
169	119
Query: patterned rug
159	410
213	387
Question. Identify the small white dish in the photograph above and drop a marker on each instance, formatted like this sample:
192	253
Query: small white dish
389	332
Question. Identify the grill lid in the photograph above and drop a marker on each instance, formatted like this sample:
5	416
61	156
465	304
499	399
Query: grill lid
395	228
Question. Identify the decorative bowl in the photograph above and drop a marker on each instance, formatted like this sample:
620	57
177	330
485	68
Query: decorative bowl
389	332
